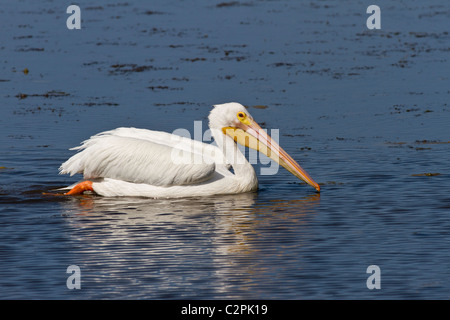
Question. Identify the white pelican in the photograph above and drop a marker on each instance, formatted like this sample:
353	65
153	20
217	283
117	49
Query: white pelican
145	163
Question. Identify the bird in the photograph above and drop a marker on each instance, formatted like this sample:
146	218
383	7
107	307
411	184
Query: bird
145	163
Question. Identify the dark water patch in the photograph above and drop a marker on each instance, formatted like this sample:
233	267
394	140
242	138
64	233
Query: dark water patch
152	12
443	35
129	68
194	59
92	104
49	94
94	8
181	79
27	49
431	142
234	58
159	88
230	4
226	77
91	63
23	37
282	64
119	4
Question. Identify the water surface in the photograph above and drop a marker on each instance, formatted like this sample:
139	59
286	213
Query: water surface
364	112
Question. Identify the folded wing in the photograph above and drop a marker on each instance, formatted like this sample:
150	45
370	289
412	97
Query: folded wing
144	156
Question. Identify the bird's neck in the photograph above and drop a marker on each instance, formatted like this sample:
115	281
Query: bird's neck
241	167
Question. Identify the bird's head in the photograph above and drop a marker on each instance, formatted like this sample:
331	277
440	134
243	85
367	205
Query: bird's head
234	120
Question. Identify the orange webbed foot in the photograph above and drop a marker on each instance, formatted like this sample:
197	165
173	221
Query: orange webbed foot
80	188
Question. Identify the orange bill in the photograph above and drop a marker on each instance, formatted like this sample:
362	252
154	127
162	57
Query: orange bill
251	135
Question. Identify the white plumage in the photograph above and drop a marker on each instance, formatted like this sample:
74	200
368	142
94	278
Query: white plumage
139	162
122	154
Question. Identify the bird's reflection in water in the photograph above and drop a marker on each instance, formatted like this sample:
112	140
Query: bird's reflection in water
179	241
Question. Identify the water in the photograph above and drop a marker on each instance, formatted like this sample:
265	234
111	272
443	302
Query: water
364	112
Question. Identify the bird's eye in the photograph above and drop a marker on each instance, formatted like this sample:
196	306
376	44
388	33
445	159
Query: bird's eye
241	115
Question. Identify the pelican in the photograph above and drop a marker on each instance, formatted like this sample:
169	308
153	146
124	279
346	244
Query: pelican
146	163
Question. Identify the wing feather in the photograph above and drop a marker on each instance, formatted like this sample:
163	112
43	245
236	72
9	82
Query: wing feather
207	150
143	156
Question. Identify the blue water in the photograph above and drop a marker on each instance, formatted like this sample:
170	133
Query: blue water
365	112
